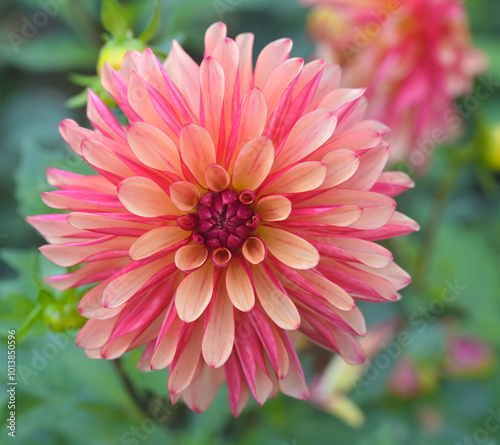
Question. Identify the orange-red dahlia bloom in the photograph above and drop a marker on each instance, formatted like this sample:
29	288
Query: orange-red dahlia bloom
238	204
414	56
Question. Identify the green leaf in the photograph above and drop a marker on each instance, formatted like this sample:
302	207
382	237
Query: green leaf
114	18
153	25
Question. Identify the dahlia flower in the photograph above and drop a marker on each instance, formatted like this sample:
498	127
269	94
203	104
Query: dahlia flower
414	56
237	204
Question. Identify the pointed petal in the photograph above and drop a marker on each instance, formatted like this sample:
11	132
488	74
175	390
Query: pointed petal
290	249
154	148
277	305
194	293
239	288
197	150
219	333
253	163
302	177
331	292
156	240
143	197
340	166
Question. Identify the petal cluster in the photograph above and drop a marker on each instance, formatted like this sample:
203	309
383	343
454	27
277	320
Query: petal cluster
414	56
238	203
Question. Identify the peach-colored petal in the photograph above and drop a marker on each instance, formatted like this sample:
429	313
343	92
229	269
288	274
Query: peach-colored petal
245	46
273	208
290	249
221	257
143	197
331	292
301	178
100	156
156	240
253	163
219	333
191	257
197	150
153	147
340	164
369	253
273	54
121	289
217	178
279	79
309	133
194	293
277	305
371	165
185	195
214	34
166	345
239	288
254	250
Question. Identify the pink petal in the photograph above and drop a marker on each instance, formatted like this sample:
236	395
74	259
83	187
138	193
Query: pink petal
191	257
201	392
73	181
143	197
290	249
109	223
372	162
245	69
273	208
239	288
219	332
185	195
369	253
156	240
308	134
213	36
101	157
154	148
302	177
194	293
101	118
253	163
197	150
279	79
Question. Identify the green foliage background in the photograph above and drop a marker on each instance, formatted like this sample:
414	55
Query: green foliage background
65	398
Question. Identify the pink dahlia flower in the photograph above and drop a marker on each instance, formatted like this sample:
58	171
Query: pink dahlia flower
414	56
237	205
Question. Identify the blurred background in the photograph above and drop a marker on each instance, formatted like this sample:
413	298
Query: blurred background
432	377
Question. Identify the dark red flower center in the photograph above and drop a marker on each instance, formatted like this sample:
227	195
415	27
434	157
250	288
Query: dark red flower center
225	219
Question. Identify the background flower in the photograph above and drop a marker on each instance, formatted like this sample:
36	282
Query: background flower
414	58
237	205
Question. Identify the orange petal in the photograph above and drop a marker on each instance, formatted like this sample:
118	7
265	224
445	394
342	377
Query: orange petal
290	249
216	177
190	257
302	177
153	147
219	333
194	293
253	163
239	288
143	197
271	55
197	150
273	208
254	250
156	240
185	195
277	305
309	133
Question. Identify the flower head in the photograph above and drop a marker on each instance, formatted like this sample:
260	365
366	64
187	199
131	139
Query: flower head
238	204
414	56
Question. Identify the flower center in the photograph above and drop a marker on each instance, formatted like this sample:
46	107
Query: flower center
225	219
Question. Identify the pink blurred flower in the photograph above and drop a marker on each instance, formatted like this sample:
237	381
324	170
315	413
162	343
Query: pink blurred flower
469	357
414	56
238	204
